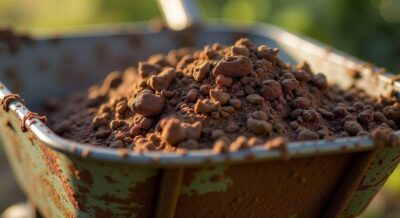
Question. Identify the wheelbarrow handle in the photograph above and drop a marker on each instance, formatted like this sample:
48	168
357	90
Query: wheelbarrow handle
179	14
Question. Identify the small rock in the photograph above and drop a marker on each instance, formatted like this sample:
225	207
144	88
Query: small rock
259	115
201	71
259	126
147	104
238	144
146	123
267	53
307	134
100	120
102	133
219	96
319	80
326	114
222	80
301	102
255	99
271	89
193	131
289	84
204	106
302	75
311	115
235	103
192	95
352	127
163	80
228	109
117	144
135	131
145	69
365	117
233	66
221	146
240	50
339	111
115	124
172	131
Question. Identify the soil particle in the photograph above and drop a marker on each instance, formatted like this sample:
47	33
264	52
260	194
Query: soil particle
147	104
233	66
352	127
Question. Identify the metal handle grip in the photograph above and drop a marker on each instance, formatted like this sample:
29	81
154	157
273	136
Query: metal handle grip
179	14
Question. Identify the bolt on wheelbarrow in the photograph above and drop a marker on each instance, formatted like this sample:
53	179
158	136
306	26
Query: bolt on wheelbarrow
63	178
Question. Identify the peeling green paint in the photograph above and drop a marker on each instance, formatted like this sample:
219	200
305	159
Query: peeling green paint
204	183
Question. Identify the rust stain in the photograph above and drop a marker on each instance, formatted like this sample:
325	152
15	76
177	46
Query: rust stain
51	161
6	101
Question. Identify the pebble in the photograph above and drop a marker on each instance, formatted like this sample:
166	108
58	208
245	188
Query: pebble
146	123
172	131
193	131
163	80
100	120
201	71
145	69
236	103
301	102
240	50
319	80
222	80
259	115
221	146
255	99
102	133
259	126
307	134
352	127
192	95
147	104
271	89
239	144
219	96
326	114
204	106
233	66
289	84
301	75
267	53
117	144
365	117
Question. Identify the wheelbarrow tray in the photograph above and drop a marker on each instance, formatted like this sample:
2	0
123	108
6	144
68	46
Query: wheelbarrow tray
62	178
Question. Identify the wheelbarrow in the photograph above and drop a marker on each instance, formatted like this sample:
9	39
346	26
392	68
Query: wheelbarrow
63	178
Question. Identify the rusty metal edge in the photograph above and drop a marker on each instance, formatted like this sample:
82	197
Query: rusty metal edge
256	153
168	192
350	181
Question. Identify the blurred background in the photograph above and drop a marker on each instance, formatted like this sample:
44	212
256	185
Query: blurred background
367	29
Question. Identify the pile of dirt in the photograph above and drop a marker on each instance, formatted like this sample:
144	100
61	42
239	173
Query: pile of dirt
221	97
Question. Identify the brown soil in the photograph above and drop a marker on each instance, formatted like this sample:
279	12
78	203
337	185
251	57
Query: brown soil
221	97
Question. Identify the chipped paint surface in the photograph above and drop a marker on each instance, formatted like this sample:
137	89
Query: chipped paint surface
207	180
382	165
61	186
